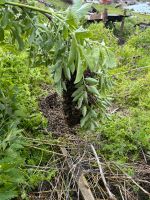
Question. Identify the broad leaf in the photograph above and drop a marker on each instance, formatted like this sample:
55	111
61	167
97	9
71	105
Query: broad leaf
91	81
80	70
93	90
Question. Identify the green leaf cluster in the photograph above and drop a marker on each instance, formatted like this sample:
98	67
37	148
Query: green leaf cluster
19	116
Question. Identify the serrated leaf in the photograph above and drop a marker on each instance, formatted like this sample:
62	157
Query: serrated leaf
8	195
92	57
58	86
92	126
93	113
4	21
65	32
80	9
20	113
16	35
64	86
71	19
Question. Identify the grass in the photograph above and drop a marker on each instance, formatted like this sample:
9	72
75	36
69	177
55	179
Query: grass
126	133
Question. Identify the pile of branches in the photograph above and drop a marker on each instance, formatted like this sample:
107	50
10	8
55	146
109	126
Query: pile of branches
83	174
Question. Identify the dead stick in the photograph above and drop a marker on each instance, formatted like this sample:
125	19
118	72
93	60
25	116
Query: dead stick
111	195
130	178
80	180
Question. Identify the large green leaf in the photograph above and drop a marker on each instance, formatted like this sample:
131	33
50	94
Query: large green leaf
91	81
93	90
67	73
71	19
80	9
80	70
79	73
72	54
109	58
81	34
92	58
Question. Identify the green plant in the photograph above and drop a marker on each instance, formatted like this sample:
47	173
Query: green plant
129	29
76	59
66	49
11	161
141	40
124	137
100	33
20	86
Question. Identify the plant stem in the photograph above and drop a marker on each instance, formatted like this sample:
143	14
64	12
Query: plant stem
29	7
43	11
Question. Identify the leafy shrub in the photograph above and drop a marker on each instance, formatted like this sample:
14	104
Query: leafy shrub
76	61
134	90
141	40
128	31
126	135
100	33
19	89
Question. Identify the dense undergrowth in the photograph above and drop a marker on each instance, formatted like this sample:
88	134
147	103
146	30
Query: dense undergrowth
20	120
123	137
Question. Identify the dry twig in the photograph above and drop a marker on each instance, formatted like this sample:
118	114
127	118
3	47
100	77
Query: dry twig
111	195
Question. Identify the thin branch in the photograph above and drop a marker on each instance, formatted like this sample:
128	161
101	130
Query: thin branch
50	11
130	178
111	195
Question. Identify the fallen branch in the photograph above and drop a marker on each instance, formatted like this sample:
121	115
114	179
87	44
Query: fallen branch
79	178
130	178
111	195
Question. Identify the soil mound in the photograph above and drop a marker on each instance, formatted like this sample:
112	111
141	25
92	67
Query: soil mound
53	109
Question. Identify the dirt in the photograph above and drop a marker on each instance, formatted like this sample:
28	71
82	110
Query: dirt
59	115
73	115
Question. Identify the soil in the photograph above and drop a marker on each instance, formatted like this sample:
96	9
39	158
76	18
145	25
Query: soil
59	115
73	115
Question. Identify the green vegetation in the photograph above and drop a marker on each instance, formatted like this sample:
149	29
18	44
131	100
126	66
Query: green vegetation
111	91
20	119
126	133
